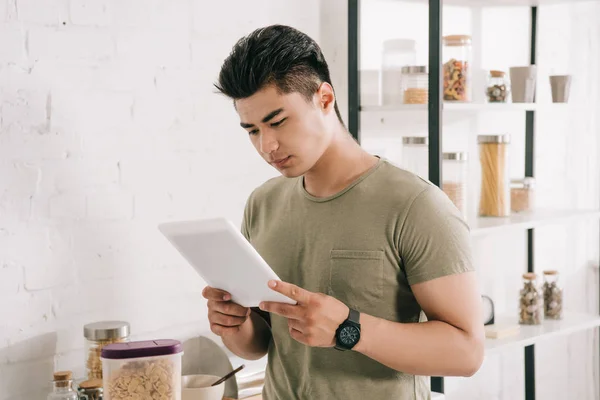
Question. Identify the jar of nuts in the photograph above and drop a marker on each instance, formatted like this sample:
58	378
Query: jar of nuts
531	301
498	87
553	295
148	369
97	335
522	194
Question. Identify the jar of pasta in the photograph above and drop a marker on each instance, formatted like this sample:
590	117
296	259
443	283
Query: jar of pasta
495	182
97	335
457	68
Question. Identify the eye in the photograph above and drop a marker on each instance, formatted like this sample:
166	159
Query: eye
275	124
253	132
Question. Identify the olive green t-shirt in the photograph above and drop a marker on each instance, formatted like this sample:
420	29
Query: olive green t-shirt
364	246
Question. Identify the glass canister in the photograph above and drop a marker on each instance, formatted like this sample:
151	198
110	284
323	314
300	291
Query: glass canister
455	170
63	387
91	389
498	87
415	155
494	198
553	295
397	53
154	366
522	194
531	301
457	68
97	335
415	83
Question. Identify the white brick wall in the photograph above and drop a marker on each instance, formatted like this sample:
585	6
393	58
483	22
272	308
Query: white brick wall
109	124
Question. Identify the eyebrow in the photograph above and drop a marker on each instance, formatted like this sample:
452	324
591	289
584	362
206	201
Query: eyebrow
267	118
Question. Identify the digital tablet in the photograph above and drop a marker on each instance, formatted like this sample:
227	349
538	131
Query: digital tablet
224	259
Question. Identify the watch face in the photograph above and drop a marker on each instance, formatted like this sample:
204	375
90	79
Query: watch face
349	335
488	310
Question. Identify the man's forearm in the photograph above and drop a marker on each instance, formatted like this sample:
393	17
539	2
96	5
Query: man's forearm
251	342
432	348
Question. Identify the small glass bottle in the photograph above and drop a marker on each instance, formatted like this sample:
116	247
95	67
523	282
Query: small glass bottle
97	335
415	155
531	301
415	83
553	295
63	387
498	87
455	168
457	68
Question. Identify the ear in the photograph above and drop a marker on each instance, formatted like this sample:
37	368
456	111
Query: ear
325	97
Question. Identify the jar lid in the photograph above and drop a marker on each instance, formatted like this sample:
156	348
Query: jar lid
456	156
525	183
530	276
91	384
400	45
550	272
457	40
144	348
60	376
493	138
105	330
497	74
414	69
423	140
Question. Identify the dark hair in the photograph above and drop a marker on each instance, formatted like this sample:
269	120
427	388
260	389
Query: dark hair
278	55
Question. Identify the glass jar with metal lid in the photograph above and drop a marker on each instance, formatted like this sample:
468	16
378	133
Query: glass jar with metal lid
498	87
415	155
522	194
495	182
97	335
415	84
455	170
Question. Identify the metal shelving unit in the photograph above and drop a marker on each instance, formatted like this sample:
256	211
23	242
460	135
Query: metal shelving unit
528	336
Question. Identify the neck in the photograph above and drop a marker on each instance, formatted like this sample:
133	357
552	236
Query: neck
341	164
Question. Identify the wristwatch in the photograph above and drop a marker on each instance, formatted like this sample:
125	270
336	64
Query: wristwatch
348	333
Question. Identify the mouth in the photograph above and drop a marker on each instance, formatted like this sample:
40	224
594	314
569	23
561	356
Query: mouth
281	161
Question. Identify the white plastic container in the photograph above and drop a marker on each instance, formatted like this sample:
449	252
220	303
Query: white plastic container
148	369
397	53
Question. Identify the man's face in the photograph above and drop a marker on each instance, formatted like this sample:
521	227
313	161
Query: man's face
288	132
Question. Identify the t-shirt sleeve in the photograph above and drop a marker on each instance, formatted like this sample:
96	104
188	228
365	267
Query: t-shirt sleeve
434	238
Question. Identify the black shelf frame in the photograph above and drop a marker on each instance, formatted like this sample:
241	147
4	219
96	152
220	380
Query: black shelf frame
435	126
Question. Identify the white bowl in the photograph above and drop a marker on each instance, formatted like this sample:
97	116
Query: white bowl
197	387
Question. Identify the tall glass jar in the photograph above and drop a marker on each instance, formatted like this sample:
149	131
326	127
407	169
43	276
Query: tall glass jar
63	387
457	68
97	335
397	53
531	301
415	155
415	84
498	87
495	175
553	295
455	168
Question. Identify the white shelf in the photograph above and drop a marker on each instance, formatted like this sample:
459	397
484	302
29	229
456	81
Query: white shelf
501	3
469	107
531	334
491	225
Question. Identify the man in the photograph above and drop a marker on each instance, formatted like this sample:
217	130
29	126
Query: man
365	248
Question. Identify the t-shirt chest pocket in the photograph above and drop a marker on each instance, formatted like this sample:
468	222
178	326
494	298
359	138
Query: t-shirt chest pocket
356	278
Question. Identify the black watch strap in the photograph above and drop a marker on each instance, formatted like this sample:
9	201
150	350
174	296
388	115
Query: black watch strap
354	316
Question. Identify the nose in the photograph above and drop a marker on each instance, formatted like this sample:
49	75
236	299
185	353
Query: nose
268	142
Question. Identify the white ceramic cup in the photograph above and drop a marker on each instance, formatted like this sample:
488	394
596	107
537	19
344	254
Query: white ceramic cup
197	387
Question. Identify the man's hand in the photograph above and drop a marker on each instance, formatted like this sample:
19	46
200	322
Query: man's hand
314	320
225	316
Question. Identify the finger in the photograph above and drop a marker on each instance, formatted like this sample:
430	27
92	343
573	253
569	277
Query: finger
226	320
285	310
224	330
297	336
294	324
211	293
292	291
228	308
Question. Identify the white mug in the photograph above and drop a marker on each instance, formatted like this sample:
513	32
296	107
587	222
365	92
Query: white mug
197	387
